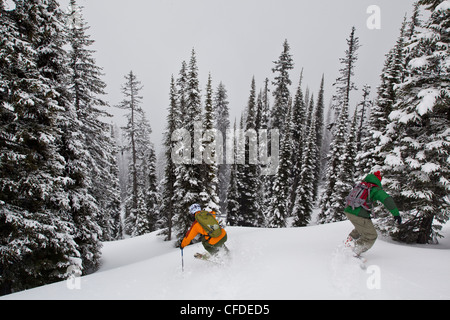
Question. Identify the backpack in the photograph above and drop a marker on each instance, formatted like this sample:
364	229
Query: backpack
209	223
359	196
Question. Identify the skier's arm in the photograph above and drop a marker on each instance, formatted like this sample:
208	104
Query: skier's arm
387	201
391	206
190	235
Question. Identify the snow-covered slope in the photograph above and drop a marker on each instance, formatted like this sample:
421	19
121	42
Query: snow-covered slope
293	263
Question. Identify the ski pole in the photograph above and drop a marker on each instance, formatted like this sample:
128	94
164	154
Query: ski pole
182	260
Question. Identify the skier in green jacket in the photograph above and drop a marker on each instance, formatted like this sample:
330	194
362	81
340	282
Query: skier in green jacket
364	234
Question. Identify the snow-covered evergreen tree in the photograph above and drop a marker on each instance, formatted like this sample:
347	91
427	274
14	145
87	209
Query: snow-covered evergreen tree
222	124
281	92
263	123
131	103
115	223
173	122
249	182
344	83
310	108
392	74
304	200
365	105
415	20
86	87
188	184
346	172
41	237
296	130
83	207
416	143
233	205
331	203
139	218
319	124
148	209
265	111
281	189
52	63
210	181
328	205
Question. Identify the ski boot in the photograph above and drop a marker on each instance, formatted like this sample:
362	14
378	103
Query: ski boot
349	242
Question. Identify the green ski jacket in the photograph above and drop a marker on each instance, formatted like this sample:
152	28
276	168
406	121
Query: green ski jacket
376	194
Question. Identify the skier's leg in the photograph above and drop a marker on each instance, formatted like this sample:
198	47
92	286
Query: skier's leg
221	244
354	234
368	236
208	247
366	231
213	249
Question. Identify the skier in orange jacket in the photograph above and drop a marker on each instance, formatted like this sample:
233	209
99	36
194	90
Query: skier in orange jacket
212	245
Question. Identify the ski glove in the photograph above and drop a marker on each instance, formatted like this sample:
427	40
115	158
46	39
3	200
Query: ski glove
398	219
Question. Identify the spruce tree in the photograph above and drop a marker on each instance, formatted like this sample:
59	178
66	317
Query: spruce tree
176	120
415	20
188	184
83	209
132	103
148	213
331	207
417	148
86	87
328	205
222	124
369	156
152	194
38	232
168	192
266	180
181	96
346	170
281	92
265	111
392	74
319	124
304	200
115	225
365	105
52	64
297	131
279	202
210	181
233	205
248	186
344	83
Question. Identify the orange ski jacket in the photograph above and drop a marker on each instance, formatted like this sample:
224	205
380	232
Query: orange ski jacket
196	229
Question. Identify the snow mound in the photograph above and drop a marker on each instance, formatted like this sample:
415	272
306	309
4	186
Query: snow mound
293	263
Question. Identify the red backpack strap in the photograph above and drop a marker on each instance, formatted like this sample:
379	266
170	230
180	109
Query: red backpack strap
368	203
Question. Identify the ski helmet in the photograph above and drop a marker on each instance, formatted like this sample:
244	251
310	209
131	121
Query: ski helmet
193	209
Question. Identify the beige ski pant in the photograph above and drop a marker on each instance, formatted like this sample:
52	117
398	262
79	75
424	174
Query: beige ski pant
364	233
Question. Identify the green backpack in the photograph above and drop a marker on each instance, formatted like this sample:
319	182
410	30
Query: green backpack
209	223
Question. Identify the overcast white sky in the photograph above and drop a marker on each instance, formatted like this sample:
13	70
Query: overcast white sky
234	40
